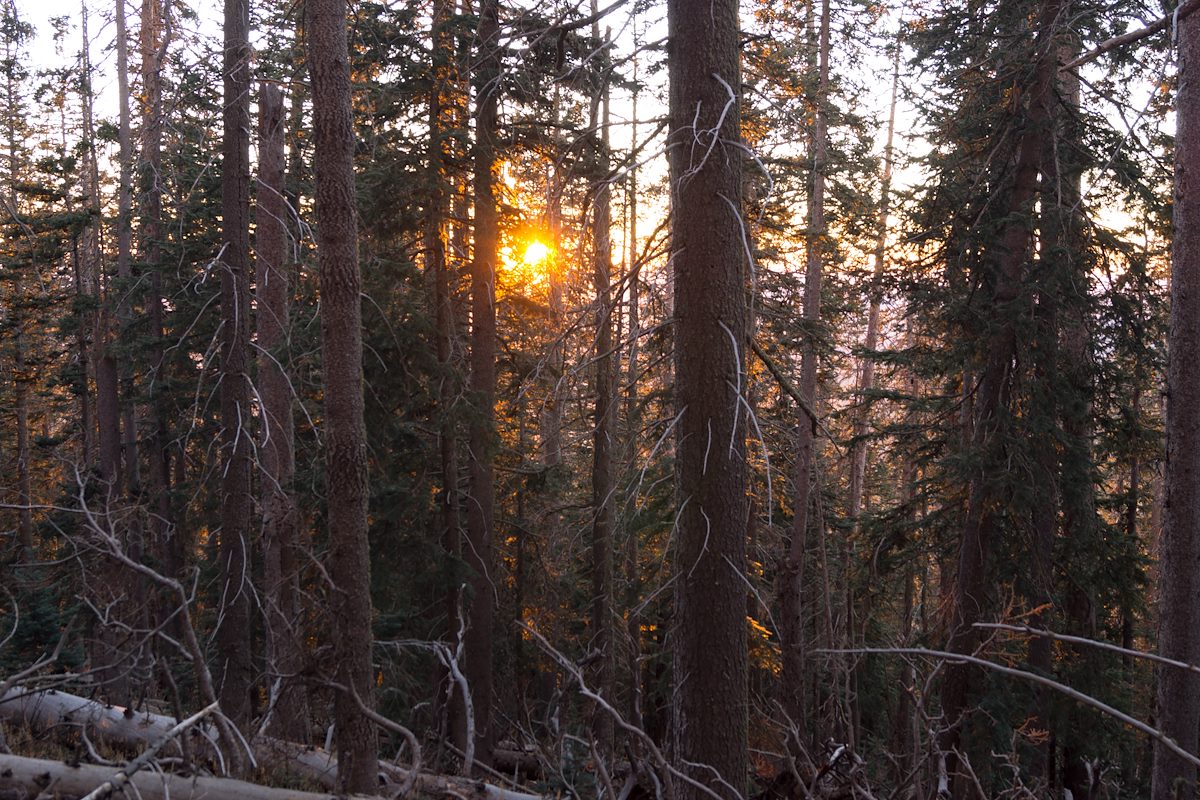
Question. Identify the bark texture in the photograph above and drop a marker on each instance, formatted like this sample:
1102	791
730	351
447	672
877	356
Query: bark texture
481	506
709	274
281	539
1179	626
345	440
235	670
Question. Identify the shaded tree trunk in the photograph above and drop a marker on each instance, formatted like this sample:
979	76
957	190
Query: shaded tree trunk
155	38
282	555
710	317
481	503
993	395
234	635
438	272
345	438
602	427
1179	624
792	570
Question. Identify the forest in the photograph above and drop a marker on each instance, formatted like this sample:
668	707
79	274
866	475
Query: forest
614	399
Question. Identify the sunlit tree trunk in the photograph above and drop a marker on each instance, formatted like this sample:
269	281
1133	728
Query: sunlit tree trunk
1179	625
710	316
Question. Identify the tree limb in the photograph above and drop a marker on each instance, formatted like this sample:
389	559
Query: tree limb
1169	20
1074	694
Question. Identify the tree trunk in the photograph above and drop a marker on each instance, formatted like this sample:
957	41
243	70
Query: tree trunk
127	476
633	425
792	570
155	37
710	316
602	428
234	636
992	396
438	274
281	552
1179	625
866	375
482	600
345	438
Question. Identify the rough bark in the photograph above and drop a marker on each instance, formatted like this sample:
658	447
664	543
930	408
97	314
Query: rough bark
709	278
345	439
481	602
282	556
234	670
1179	624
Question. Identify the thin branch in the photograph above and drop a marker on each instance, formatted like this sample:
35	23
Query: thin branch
1168	21
1033	677
1063	637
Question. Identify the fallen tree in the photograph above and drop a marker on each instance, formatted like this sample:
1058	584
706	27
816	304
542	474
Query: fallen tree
30	778
47	710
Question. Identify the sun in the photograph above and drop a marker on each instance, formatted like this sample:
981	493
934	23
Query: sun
536	253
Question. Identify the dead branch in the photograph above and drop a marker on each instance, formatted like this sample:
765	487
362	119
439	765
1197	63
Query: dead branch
1074	694
1170	20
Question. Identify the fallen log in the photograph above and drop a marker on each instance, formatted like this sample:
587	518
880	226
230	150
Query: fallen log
45	710
30	778
123	727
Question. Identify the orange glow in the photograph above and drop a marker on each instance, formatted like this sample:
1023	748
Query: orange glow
536	253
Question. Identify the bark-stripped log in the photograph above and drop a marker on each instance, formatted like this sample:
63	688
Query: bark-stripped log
44	710
29	778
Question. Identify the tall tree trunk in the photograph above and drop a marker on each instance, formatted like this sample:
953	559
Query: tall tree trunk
1179	625
127	476
992	395
792	571
710	316
234	635
866	374
437	269
345	437
482	607
107	425
281	546
602	428
154	39
633	425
